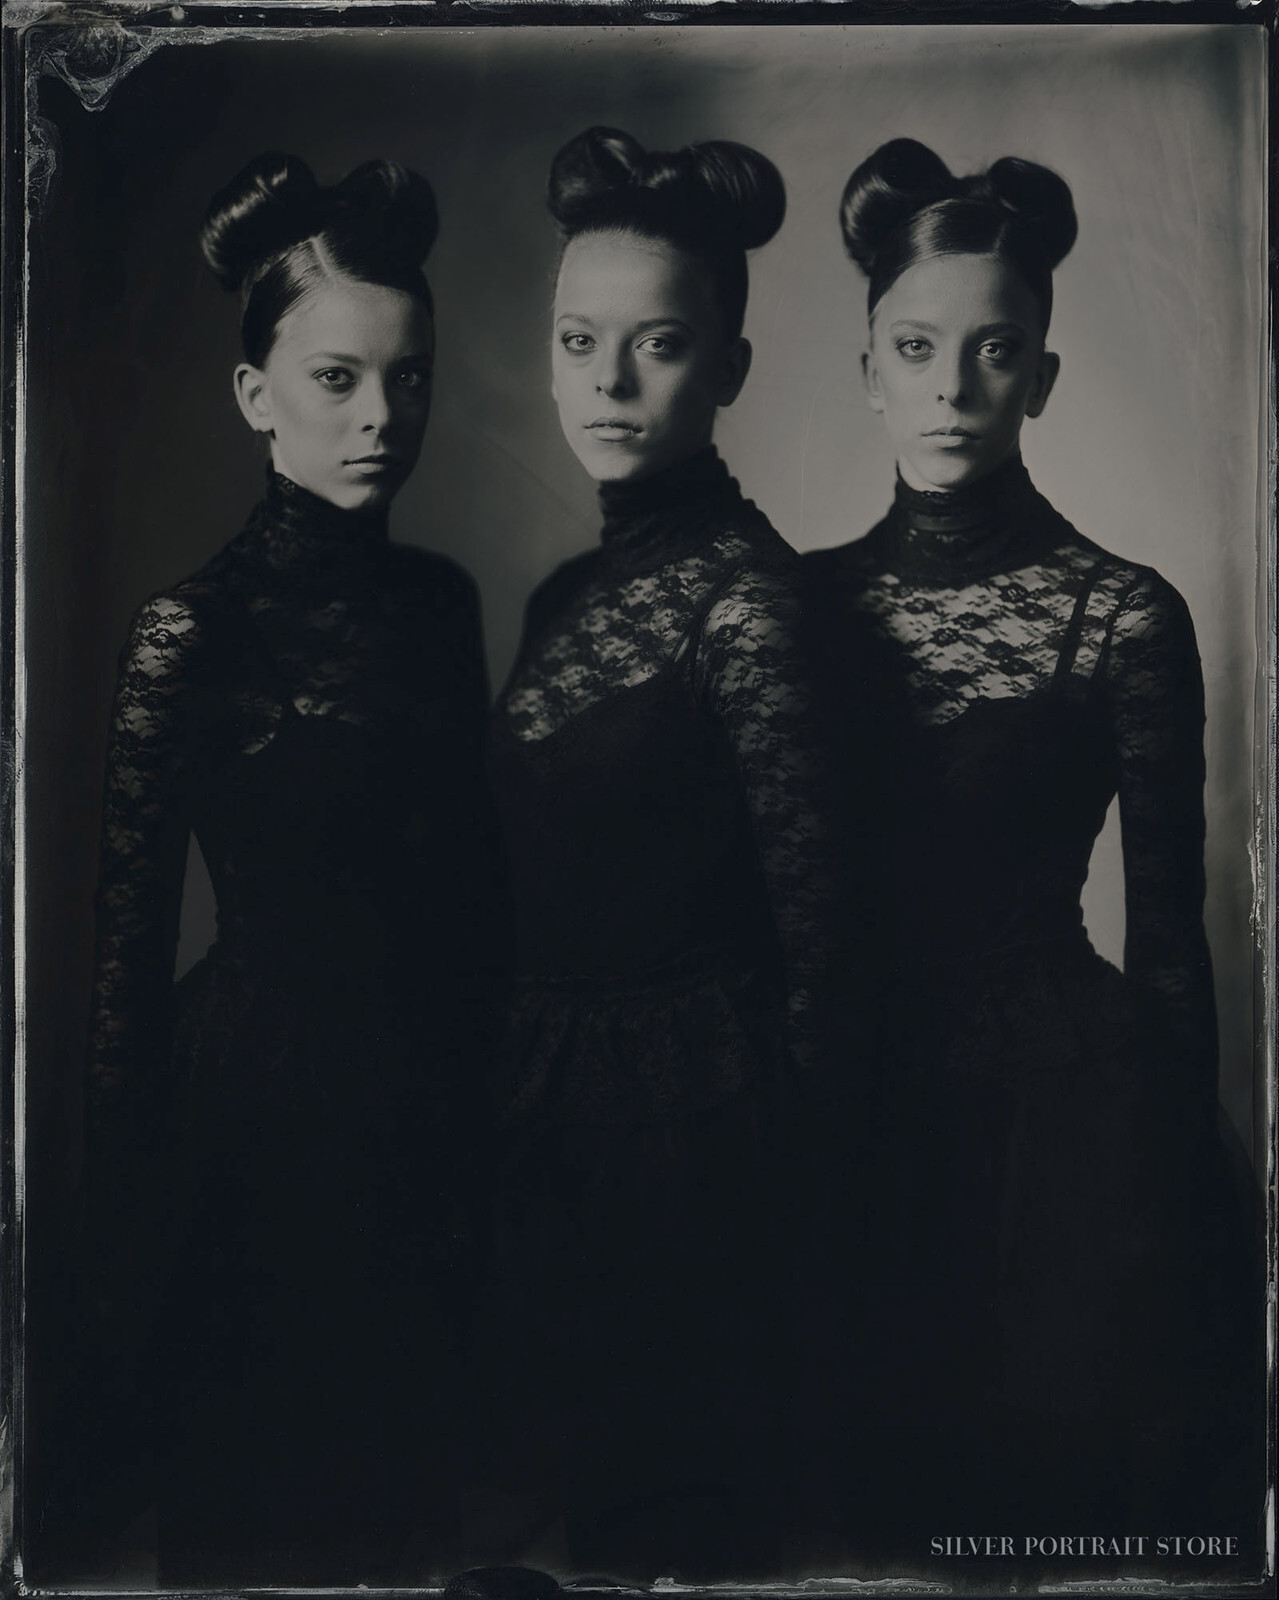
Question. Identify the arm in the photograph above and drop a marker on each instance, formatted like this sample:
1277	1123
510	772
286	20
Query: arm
1156	700
751	674
143	858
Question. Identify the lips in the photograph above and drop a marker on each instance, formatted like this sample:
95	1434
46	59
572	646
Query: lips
374	461
951	433
613	428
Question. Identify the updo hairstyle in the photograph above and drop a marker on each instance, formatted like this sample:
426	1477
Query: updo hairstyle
716	200
902	206
274	234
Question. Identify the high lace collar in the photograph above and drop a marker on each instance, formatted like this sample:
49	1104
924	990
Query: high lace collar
964	535
654	520
307	538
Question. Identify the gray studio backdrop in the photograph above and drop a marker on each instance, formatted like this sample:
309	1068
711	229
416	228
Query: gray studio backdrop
139	467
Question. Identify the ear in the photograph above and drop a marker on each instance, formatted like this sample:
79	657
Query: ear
870	378
253	397
736	364
1045	376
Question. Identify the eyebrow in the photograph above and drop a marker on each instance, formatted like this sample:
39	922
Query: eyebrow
640	327
986	329
665	322
358	361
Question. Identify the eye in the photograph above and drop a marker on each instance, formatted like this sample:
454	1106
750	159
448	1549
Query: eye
913	349
999	351
579	344
336	379
414	379
660	344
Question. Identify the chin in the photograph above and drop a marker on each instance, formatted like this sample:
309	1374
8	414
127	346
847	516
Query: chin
606	465
366	497
952	474
620	471
956	478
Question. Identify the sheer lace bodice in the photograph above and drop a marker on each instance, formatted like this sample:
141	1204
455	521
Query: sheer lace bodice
657	731
1042	675
311	705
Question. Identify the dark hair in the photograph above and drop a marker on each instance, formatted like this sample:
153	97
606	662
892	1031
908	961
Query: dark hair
902	205
717	200
274	234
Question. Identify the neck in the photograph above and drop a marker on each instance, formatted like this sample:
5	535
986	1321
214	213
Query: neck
310	540
970	532
652	519
668	486
323	515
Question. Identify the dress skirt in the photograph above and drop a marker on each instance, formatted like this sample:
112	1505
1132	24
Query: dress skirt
310	1371
641	1222
1059	1296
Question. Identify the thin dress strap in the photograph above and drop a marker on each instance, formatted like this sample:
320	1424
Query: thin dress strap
1075	627
1116	611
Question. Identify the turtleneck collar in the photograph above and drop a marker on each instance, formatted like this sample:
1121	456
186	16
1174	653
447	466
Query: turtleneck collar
648	522
969	533
306	537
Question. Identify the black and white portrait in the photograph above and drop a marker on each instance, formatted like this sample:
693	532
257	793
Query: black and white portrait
641	868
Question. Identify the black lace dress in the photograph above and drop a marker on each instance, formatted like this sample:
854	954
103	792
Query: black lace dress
277	1148
1049	1203
653	767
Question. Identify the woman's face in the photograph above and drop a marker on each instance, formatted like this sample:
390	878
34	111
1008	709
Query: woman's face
345	392
956	363
639	360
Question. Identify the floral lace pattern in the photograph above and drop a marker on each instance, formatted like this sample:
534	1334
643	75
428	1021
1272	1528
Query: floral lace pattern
692	595
988	595
310	615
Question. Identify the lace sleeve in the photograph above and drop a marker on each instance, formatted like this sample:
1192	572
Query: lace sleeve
143	856
751	673
1156	698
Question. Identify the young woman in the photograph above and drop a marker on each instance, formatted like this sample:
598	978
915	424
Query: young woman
1047	1123
275	1148
662	821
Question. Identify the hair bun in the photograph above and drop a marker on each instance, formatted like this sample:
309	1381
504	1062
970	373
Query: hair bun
394	202
893	182
594	164
728	185
275	202
745	186
268	206
903	176
1041	199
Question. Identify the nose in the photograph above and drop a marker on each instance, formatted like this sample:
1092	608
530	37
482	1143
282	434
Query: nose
376	411
614	374
953	378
